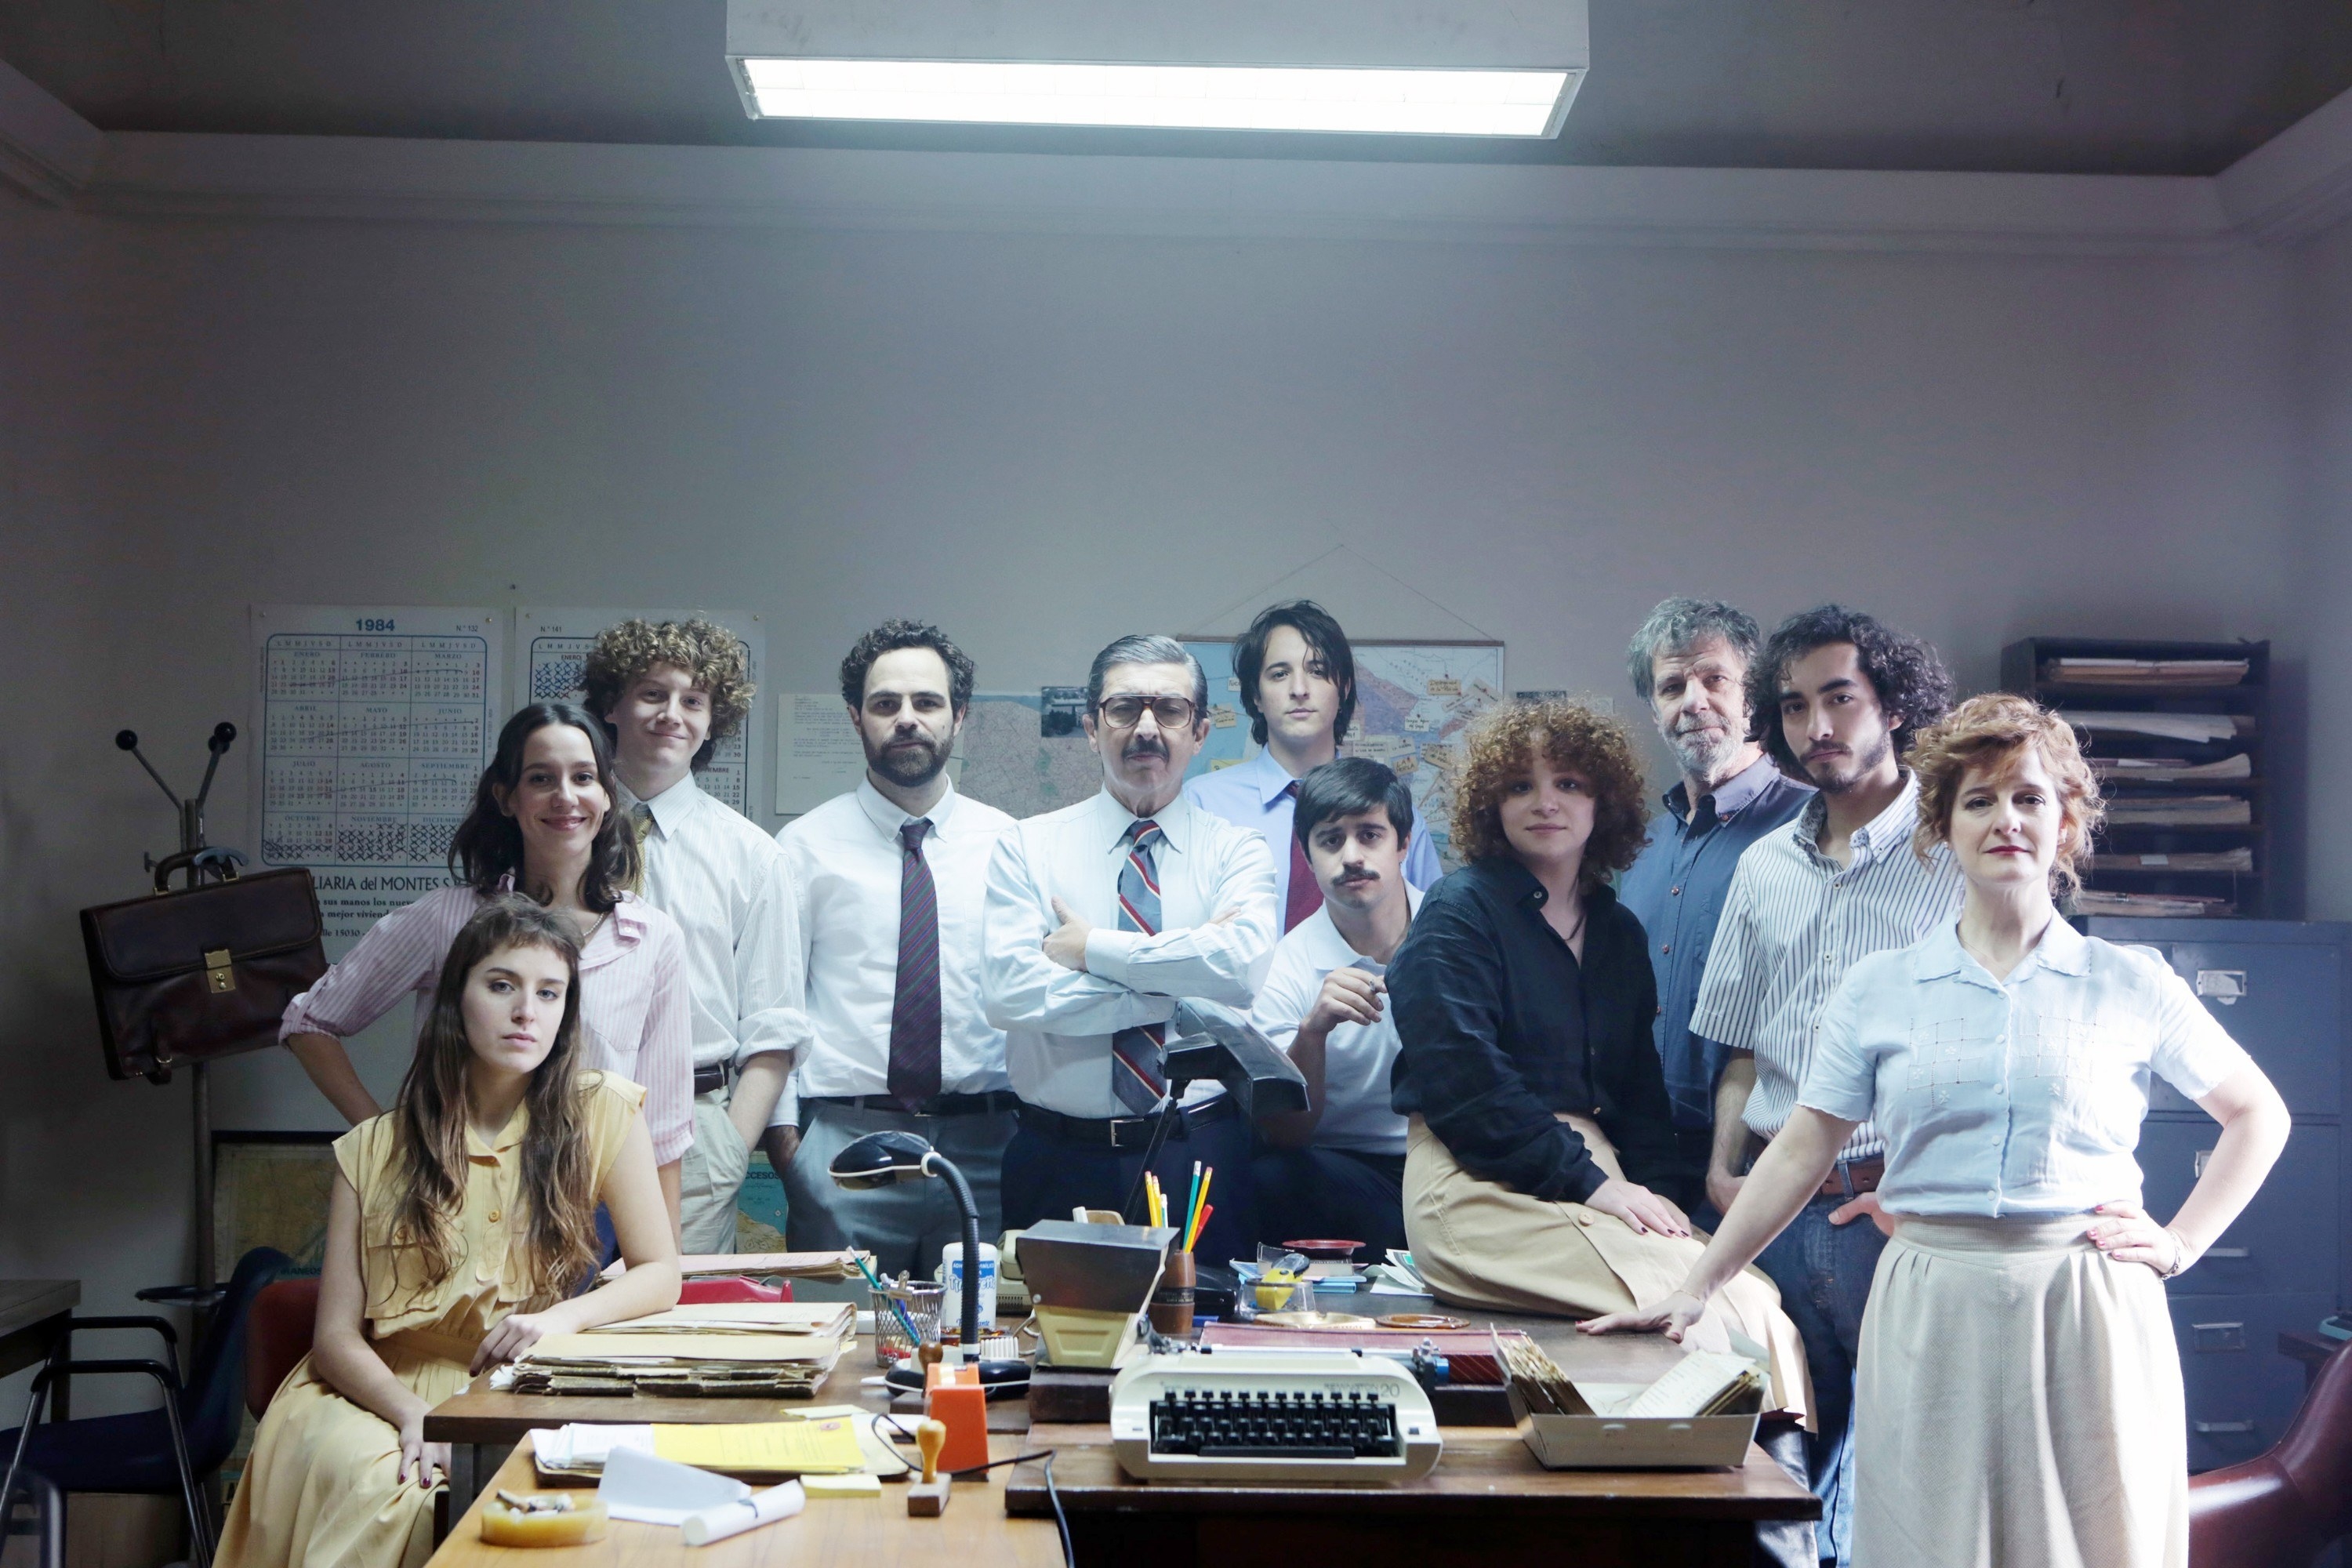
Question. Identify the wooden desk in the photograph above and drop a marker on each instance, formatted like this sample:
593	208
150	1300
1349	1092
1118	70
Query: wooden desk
1487	1496
859	1532
1488	1501
32	1317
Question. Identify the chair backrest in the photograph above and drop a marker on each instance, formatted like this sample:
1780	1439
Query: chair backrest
731	1288
276	1336
216	1385
2278	1511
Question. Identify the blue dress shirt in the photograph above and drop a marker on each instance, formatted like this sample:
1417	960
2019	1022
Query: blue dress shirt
1675	890
1252	795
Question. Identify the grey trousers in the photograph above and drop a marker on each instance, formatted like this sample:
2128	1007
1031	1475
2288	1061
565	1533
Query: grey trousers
904	1226
709	1175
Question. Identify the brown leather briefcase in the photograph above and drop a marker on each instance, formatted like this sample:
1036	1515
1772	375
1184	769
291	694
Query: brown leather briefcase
193	973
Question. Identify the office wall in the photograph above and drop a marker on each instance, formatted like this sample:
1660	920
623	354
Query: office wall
1041	441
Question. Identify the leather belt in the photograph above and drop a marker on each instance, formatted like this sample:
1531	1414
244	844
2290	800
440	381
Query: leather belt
1852	1178
710	1077
995	1102
1122	1132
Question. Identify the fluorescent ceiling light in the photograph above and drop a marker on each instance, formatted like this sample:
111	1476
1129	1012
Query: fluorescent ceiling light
1228	98
1466	68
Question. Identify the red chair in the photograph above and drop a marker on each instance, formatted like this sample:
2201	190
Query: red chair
276	1336
2282	1510
730	1288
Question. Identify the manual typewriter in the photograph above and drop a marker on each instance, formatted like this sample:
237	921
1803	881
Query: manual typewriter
1244	1415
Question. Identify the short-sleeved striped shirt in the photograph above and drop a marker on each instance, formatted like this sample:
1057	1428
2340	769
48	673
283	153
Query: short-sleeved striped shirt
1793	922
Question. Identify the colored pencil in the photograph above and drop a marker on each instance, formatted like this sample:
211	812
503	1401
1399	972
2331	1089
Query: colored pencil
1208	1175
905	1321
1199	1226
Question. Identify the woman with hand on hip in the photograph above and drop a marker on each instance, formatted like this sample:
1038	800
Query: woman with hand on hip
2019	1398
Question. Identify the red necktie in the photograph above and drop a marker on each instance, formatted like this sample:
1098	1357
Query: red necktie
1306	895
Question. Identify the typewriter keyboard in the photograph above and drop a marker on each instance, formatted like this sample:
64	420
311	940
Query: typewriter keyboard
1242	1424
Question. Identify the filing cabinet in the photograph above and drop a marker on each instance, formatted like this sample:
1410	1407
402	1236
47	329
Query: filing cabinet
2279	987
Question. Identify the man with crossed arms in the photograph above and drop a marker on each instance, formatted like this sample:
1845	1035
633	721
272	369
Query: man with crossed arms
1099	917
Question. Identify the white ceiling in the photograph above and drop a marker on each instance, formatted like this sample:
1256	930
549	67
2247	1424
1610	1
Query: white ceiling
2168	86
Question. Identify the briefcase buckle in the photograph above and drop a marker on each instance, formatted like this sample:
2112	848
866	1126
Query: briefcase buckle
218	974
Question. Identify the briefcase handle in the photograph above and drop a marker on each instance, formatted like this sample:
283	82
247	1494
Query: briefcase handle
219	860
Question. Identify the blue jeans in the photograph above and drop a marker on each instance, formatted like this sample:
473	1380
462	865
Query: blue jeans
1823	1271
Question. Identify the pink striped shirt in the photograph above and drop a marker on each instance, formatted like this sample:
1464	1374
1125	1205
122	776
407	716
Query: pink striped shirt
633	1001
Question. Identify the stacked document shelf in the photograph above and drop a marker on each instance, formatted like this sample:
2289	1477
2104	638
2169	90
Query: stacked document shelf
2178	733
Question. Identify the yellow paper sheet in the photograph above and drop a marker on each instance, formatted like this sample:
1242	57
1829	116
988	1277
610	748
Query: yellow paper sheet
764	1448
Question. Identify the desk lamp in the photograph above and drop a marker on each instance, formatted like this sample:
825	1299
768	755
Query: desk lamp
883	1159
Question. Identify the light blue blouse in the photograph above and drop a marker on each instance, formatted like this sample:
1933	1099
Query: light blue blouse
2023	1098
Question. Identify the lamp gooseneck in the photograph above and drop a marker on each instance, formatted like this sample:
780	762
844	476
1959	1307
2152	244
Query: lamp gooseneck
939	1165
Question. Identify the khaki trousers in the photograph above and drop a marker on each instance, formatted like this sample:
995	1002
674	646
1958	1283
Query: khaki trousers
711	1177
1481	1244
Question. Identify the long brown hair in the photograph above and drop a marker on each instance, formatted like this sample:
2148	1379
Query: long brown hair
559	1241
488	846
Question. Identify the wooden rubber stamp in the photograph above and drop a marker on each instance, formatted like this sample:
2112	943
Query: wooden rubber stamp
928	1497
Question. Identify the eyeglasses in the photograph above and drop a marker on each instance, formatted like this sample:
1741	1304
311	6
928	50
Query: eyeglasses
1126	713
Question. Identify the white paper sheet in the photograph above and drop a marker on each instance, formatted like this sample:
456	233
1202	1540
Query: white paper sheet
818	753
654	1490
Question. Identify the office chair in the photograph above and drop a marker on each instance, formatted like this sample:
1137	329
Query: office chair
171	1448
2282	1508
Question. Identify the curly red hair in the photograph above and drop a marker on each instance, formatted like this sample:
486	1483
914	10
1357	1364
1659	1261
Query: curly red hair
1570	735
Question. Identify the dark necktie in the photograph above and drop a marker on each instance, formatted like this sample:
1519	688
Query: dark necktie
1304	895
1139	1064
915	1011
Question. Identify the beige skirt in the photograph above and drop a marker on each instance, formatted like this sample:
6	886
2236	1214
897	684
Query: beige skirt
2018	1403
1480	1244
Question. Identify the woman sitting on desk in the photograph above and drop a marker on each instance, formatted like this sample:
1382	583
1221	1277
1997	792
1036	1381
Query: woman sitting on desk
461	1222
1524	998
543	823
2018	1396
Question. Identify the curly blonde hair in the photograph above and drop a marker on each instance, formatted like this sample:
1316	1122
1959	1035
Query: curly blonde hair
1991	732
713	658
1571	735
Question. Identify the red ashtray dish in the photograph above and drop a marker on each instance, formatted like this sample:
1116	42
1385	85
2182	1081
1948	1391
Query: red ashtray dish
1327	1249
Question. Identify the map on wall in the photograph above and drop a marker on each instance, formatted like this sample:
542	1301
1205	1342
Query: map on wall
373	725
1025	753
1412	701
552	644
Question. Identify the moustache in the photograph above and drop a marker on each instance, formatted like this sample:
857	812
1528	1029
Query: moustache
1356	879
1142	746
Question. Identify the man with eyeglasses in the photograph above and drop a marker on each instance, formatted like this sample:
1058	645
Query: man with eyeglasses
1099	919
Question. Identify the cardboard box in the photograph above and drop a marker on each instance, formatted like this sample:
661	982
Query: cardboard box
1606	1441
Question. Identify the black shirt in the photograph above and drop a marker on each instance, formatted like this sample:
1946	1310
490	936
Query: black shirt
1499	1026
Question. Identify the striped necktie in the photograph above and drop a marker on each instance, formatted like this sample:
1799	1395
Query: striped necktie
1138	1066
641	824
915	1011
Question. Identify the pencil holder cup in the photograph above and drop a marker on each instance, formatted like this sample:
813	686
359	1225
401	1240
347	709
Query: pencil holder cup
921	1304
1171	1299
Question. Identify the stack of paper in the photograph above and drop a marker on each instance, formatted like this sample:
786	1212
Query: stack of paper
2238	859
836	1439
831	1265
2072	671
2166	769
2180	811
751	1350
2094	901
2203	728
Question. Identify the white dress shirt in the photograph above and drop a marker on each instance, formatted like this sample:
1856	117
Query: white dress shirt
1059	1022
846	861
1357	1057
1254	795
2017	1097
1794	921
711	869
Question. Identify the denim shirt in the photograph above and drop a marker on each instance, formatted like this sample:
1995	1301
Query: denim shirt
1675	890
2016	1097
